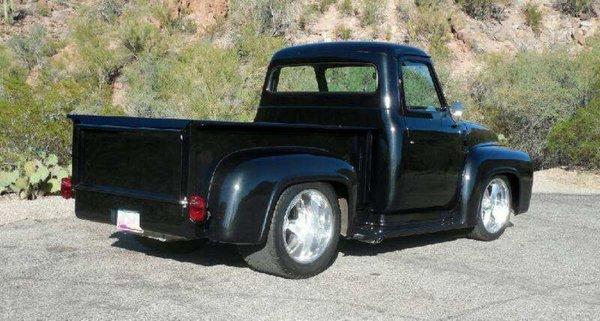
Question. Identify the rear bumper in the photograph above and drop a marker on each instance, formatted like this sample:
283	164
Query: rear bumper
158	218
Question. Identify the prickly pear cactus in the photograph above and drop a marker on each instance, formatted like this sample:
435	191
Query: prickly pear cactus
34	178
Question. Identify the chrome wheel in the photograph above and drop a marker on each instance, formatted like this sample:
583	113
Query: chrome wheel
495	205
308	226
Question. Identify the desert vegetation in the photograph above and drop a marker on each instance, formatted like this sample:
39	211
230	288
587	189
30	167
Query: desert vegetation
206	59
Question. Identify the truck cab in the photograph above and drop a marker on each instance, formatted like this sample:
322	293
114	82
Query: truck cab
351	139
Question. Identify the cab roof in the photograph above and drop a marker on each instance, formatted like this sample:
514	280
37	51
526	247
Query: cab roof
344	48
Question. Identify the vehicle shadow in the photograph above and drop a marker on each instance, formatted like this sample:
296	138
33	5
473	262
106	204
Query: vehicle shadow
208	254
211	254
356	248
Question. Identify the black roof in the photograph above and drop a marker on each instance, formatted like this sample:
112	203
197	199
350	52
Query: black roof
346	47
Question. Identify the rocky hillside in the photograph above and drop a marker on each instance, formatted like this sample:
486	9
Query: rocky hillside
450	28
526	68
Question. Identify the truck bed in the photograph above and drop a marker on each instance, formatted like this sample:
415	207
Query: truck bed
151	165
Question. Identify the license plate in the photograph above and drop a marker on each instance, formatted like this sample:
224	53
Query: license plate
128	221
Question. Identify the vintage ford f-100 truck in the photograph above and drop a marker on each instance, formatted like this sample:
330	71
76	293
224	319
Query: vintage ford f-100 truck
351	139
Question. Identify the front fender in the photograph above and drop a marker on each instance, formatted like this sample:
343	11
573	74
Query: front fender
246	185
487	160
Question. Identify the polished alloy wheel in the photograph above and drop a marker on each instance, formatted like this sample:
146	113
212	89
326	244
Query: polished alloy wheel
308	226
495	205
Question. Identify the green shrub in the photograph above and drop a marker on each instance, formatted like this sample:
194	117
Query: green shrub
97	46
254	51
28	124
138	35
34	178
372	12
8	11
323	5
43	9
346	7
533	17
431	25
575	7
576	140
343	32
525	96
267	17
200	80
481	9
110	10
32	49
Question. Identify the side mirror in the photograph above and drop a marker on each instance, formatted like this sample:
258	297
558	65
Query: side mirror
457	110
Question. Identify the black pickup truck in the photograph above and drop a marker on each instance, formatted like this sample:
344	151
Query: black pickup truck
351	139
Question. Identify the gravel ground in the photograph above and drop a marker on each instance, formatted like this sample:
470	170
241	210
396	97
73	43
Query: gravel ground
546	266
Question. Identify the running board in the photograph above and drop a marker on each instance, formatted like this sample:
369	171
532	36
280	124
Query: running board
374	234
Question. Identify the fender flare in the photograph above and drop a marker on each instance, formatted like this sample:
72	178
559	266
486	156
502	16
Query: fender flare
246	185
486	160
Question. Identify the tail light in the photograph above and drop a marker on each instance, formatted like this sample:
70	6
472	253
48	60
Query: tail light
197	208
66	190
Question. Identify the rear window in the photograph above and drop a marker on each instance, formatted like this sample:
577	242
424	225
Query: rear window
325	78
297	78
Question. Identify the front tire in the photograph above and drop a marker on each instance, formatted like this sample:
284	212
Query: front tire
303	235
494	209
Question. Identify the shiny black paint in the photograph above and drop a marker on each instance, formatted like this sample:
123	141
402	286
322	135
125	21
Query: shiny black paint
246	187
402	172
486	160
145	166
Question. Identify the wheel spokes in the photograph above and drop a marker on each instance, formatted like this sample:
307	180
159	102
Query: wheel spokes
307	226
495	205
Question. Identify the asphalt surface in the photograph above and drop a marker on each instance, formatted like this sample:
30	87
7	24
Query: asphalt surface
546	266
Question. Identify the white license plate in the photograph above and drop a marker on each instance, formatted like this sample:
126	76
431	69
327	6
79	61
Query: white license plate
128	221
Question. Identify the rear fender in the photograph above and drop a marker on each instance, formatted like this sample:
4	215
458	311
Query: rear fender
246	185
485	161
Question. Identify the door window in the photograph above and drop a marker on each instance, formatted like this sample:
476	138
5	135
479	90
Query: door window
419	89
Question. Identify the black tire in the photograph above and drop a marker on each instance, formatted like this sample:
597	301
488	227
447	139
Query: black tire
180	247
272	257
479	232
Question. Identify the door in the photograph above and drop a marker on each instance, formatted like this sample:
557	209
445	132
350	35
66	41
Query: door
432	146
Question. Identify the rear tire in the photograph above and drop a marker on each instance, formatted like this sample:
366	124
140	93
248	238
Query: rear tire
309	250
494	209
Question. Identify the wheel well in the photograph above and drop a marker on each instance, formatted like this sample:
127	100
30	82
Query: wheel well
341	191
514	189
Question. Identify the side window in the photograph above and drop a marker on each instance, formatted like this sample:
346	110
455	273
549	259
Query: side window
297	79
419	89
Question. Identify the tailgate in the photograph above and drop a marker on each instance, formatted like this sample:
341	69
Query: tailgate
132	164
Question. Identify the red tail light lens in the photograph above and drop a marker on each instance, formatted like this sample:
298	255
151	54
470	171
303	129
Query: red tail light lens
197	209
66	190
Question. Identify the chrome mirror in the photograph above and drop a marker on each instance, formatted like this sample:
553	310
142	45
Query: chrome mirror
457	110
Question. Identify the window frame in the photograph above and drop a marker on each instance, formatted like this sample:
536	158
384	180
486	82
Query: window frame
275	72
438	89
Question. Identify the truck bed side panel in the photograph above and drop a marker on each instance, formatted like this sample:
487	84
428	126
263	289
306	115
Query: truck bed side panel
210	144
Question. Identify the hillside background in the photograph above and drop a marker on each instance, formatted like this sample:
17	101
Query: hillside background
529	69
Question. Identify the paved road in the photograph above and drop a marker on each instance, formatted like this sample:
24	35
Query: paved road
547	266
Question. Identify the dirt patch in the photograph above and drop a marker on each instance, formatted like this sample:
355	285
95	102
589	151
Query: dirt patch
561	181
